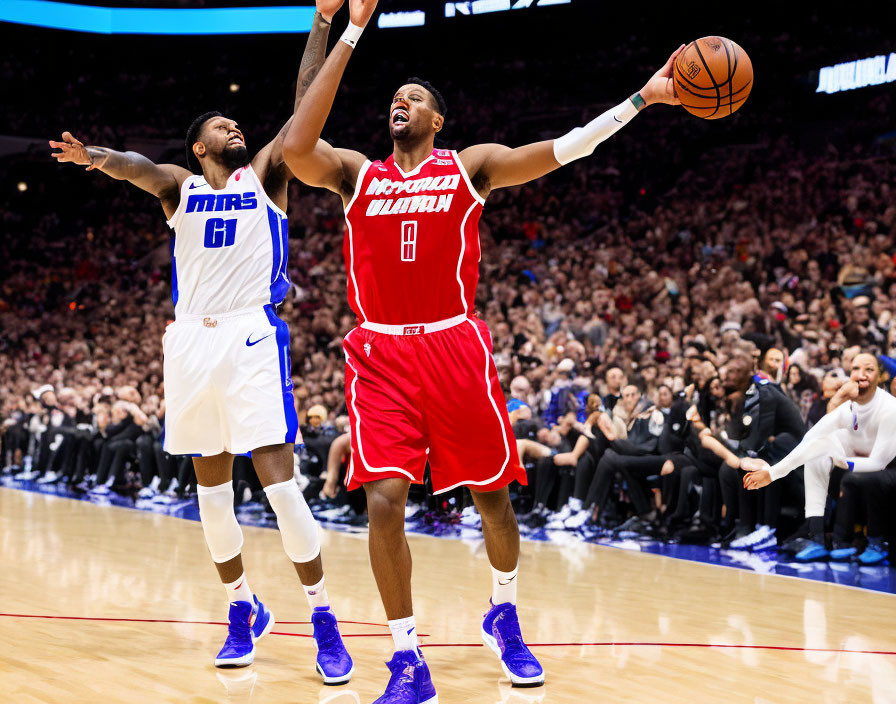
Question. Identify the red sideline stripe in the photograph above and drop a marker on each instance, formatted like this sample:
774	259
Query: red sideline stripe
673	645
475	645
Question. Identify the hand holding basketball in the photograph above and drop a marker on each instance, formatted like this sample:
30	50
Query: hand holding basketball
361	11
661	88
73	151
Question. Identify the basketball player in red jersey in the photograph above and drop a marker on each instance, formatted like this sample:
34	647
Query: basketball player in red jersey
420	379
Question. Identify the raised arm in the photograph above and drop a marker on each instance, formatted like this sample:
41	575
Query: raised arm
162	180
312	160
268	163
495	166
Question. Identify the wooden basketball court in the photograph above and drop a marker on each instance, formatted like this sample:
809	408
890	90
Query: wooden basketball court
104	604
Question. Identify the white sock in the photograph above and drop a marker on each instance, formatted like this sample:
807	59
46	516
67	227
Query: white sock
504	586
317	594
404	633
239	590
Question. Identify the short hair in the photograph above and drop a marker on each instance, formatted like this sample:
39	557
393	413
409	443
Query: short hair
193	136
440	101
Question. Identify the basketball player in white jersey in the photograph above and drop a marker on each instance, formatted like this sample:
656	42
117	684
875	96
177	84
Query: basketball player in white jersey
857	436
228	388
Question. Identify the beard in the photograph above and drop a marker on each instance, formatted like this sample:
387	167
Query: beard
235	157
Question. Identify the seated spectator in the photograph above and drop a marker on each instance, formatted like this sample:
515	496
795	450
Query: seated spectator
856	436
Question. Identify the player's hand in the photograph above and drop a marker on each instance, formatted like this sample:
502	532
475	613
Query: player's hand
361	11
667	469
757	474
850	390
661	87
328	8
73	151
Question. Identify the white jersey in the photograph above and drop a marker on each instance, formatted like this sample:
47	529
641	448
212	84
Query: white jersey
229	249
859	435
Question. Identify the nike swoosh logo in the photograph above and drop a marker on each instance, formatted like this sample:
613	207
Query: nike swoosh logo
197	185
614	117
249	342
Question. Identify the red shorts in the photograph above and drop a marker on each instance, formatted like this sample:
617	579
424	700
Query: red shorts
434	395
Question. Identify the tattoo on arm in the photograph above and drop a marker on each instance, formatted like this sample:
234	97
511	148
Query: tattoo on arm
118	165
313	58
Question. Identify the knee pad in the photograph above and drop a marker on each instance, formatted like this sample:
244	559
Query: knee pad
298	529
222	532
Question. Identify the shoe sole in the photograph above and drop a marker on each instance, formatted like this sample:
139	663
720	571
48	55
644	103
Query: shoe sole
812	558
334	681
244	661
515	680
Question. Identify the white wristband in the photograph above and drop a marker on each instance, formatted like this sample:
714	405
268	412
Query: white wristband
582	141
351	35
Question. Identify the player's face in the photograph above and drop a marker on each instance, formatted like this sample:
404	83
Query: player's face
223	138
866	374
412	115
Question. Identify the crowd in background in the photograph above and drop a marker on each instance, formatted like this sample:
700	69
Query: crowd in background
632	297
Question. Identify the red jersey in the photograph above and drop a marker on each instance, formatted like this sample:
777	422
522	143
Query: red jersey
412	241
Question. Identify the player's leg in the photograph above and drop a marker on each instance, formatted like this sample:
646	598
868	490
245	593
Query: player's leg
390	560
501	629
388	452
817	477
301	542
249	619
464	393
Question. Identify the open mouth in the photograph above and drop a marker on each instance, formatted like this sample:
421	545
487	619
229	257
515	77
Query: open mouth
236	140
400	116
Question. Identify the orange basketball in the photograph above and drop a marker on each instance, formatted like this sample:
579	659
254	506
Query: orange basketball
713	77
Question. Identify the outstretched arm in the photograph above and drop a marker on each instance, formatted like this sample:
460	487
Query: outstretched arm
311	159
268	163
162	180
495	166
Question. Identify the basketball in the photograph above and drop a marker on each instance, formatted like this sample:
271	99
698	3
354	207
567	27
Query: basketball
713	77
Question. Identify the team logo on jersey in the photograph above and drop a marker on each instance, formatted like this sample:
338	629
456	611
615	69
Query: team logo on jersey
367	348
412	330
211	202
210	322
387	187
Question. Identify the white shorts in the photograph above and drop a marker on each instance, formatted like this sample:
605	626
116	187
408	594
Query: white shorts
228	386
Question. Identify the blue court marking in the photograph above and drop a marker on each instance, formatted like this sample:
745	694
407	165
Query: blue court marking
114	20
879	579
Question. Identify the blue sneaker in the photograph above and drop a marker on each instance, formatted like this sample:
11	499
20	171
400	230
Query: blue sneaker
501	633
248	623
843	554
813	552
263	620
410	682
333	661
875	553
